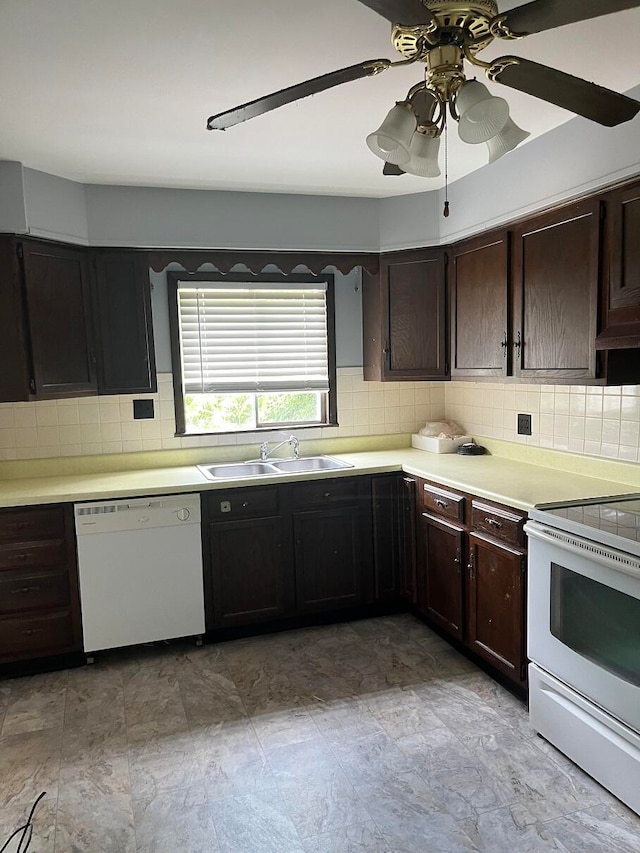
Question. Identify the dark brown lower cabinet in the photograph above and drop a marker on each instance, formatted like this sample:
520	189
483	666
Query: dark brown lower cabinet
292	549
440	590
471	574
253	577
39	601
327	559
408	539
386	509
496	604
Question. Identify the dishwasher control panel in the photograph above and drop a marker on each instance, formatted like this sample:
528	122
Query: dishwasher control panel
136	513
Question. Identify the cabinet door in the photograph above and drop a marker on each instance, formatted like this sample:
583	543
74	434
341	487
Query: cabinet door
15	375
495	604
407	522
414	315
59	311
624	241
126	362
329	568
440	573
556	281
479	280
251	571
386	535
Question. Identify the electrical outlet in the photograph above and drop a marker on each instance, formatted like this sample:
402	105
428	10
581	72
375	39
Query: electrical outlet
524	424
142	409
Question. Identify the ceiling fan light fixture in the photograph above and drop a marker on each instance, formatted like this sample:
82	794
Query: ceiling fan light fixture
424	152
391	141
481	114
509	138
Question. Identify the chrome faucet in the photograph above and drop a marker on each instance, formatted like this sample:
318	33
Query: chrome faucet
292	440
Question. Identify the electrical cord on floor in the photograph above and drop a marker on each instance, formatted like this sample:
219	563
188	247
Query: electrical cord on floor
26	830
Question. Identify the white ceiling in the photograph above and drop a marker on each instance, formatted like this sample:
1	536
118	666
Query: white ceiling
118	91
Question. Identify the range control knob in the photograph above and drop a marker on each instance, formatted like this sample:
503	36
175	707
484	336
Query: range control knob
184	514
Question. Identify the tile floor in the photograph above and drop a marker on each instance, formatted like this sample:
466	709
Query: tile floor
369	736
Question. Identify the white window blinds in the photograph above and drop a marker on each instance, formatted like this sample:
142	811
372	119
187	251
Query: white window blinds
244	337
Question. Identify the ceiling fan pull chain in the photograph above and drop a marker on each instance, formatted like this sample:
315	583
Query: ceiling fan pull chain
445	212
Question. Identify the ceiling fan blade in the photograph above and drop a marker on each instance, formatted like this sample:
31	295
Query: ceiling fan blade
392	169
579	96
411	13
549	14
229	118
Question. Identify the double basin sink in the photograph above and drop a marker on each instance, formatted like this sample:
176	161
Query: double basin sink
303	465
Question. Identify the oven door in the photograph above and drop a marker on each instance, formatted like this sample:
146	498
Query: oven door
584	618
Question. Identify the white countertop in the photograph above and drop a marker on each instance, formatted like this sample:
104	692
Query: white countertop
517	484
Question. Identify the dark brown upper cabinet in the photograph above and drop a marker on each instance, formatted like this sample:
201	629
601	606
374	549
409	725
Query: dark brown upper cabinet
621	326
556	278
404	317
479	285
58	303
15	372
124	331
73	321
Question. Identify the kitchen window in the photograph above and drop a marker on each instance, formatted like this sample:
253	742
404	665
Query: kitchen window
251	352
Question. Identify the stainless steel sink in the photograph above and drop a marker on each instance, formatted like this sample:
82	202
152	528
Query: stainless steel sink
238	470
310	463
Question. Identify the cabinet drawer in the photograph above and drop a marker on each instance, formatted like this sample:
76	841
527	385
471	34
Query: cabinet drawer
441	502
20	591
22	636
33	555
322	492
25	525
500	522
242	503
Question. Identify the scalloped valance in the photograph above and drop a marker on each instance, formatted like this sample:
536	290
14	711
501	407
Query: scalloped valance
225	259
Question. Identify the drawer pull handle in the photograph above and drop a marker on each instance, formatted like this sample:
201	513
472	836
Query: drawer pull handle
31	631
17	558
439	502
245	504
492	522
26	589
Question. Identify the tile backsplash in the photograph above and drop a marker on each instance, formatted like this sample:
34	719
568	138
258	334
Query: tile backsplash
586	420
97	425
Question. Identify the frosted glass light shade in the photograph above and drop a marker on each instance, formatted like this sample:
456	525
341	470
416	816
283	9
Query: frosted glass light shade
392	139
509	138
482	115
424	152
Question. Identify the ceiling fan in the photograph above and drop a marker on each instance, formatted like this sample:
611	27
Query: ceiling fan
444	35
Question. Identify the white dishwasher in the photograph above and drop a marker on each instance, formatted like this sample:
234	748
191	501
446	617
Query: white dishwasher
140	570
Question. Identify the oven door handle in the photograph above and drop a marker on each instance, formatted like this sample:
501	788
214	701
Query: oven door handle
611	558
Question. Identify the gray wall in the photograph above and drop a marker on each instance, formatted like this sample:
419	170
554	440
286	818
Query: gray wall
56	207
13	212
348	294
142	216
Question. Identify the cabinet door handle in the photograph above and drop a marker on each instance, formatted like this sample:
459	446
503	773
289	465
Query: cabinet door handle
327	494
504	345
472	568
439	502
492	522
458	558
518	344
